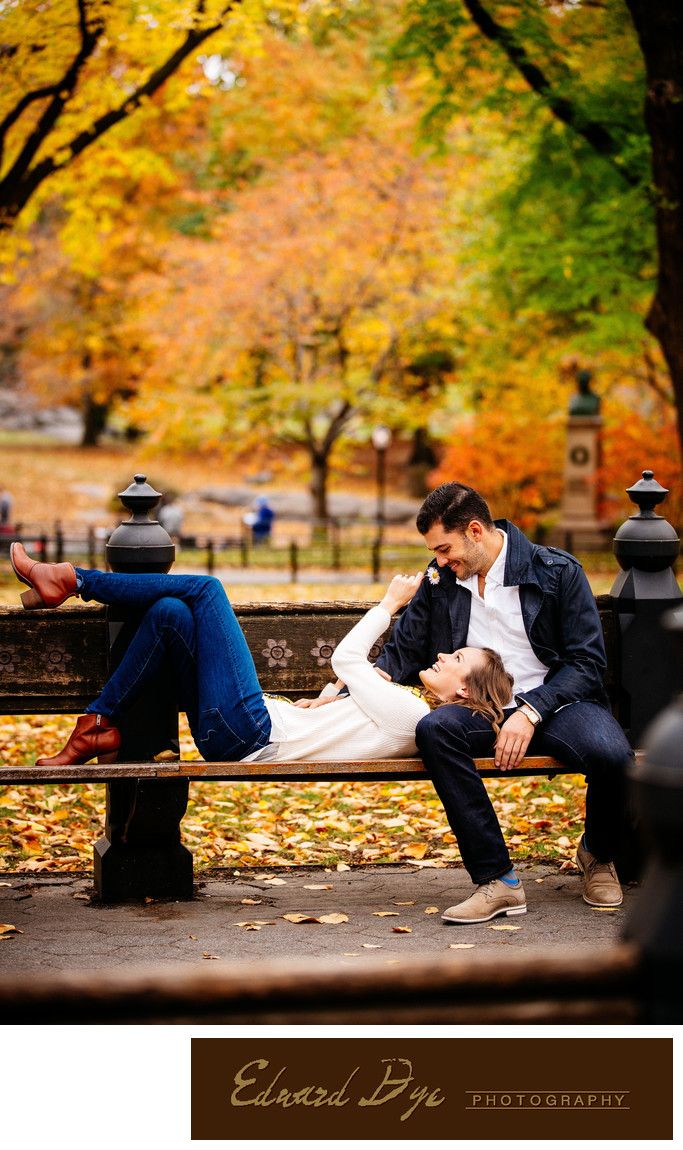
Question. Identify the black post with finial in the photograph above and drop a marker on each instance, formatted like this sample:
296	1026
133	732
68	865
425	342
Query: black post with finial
646	547
656	920
140	854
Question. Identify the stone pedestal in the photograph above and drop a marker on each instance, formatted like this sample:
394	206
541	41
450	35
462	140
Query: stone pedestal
580	526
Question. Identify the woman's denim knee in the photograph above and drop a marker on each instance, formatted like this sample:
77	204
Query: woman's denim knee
170	611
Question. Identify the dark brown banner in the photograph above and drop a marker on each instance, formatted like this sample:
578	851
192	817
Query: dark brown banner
506	1088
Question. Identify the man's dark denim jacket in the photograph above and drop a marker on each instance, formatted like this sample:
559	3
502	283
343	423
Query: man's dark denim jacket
560	618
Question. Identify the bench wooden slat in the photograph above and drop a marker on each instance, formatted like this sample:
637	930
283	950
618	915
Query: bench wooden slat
302	771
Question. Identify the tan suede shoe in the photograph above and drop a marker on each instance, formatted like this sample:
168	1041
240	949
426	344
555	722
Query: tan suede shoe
489	900
50	583
600	883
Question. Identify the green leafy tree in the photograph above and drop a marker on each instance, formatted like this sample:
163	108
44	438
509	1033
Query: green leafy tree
588	64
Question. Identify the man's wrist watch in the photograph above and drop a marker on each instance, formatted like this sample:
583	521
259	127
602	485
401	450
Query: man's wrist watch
533	717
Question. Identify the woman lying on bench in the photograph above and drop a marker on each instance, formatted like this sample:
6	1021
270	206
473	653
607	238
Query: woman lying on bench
190	626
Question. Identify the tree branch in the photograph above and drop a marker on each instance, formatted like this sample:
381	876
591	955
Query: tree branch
652	379
60	92
594	133
20	183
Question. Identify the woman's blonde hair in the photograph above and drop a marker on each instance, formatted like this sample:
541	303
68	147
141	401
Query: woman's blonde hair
489	687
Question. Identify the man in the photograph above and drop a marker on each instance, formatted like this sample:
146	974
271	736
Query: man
489	586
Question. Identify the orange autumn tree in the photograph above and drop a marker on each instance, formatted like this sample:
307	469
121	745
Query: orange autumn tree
511	451
300	319
83	340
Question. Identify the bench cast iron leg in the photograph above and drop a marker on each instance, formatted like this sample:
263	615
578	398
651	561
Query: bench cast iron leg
140	854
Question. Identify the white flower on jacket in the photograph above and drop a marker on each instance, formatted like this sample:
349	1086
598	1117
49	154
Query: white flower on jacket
433	576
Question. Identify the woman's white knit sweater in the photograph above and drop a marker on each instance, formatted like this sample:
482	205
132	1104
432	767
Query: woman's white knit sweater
376	720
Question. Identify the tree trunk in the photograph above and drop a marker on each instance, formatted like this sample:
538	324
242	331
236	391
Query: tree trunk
660	32
318	489
94	421
422	460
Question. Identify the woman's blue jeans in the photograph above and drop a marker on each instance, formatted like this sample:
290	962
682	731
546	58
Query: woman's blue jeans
189	626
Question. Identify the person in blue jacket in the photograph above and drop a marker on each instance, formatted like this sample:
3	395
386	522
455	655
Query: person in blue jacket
489	585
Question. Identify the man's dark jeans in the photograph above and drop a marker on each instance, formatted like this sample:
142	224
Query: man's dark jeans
581	735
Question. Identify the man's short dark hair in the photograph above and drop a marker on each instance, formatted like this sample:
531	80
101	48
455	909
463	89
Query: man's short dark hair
454	505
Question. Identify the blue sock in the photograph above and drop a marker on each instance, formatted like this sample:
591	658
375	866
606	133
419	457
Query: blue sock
510	879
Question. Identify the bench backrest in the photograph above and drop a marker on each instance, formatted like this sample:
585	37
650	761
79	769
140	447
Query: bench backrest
56	661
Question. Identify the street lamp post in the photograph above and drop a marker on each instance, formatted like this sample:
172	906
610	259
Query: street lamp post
381	440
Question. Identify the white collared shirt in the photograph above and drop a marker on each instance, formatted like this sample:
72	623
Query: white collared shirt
496	621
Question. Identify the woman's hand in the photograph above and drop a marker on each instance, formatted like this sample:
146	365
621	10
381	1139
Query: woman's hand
400	591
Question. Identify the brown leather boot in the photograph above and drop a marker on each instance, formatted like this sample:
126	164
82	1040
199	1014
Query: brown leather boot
93	735
50	583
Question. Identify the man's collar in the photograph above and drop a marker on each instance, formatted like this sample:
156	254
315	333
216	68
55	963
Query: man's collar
496	572
519	567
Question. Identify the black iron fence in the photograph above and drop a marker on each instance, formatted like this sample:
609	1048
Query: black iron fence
335	551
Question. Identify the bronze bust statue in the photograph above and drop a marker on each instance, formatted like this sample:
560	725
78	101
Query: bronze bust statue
585	401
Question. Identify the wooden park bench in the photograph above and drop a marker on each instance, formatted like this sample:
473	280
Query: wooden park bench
56	661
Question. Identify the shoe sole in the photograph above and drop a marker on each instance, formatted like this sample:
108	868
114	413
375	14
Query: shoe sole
588	901
504	911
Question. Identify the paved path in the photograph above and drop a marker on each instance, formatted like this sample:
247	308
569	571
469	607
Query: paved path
64	930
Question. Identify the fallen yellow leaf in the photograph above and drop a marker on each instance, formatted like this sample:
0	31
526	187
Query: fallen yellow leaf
416	850
397	903
343	866
385	913
318	886
8	928
609	909
504	926
402	929
371	945
431	910
333	918
251	901
461	945
210	956
256	924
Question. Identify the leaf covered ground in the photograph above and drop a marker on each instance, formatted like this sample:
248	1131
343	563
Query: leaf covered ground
53	828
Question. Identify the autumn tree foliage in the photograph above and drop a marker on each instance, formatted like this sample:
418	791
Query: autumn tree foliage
73	70
301	316
591	68
88	345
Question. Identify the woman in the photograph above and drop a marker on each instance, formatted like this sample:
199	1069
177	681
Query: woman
189	623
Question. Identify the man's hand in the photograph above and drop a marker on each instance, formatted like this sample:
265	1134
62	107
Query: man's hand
514	738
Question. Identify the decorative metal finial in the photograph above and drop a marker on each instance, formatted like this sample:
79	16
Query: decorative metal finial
647	493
